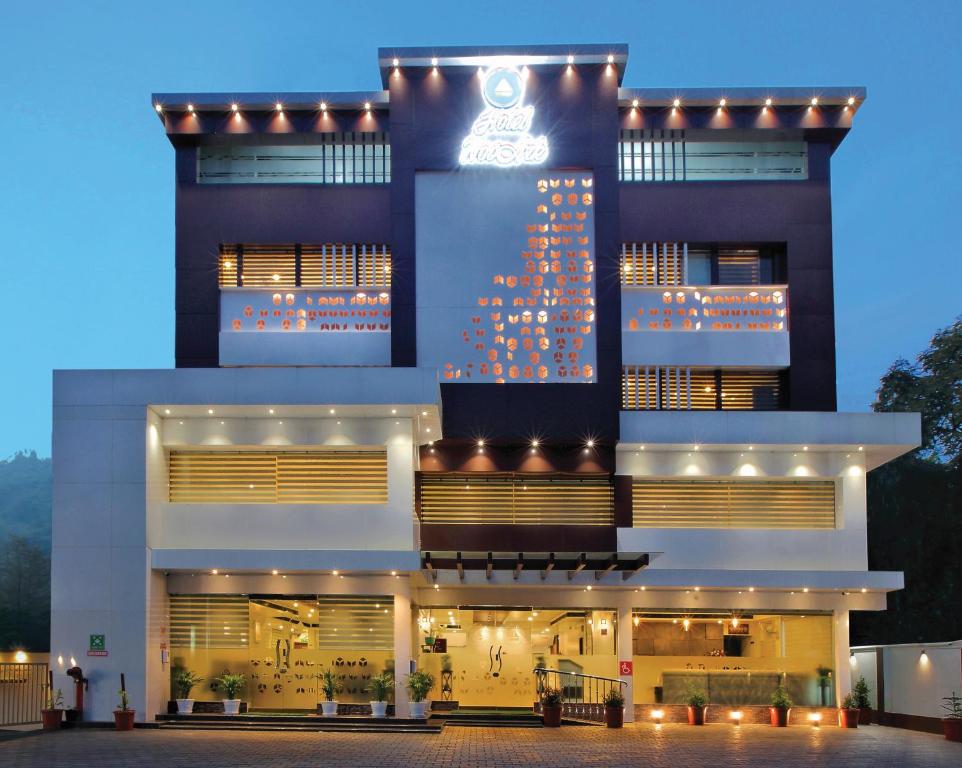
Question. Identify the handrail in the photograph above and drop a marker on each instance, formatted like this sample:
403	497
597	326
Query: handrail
536	670
583	695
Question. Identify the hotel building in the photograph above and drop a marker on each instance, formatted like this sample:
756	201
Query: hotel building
501	365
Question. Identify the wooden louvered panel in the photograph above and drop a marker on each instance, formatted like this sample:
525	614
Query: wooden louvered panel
751	390
328	266
208	621
265	267
332	477
221	477
670	264
516	499
739	267
227	268
733	504
258	477
638	263
639	388
703	390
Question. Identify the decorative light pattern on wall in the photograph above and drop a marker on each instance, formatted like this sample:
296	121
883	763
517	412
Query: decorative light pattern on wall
535	325
303	309
758	308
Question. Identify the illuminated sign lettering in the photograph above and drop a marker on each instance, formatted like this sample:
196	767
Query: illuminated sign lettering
501	134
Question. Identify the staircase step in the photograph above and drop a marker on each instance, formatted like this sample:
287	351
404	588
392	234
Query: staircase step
310	727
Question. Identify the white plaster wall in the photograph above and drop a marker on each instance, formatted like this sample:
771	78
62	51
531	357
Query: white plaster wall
915	685
100	562
287	526
842	548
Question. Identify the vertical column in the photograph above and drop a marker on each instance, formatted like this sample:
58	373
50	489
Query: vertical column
843	677
625	652
402	649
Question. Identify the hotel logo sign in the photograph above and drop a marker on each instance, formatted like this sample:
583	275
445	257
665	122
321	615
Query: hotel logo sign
501	134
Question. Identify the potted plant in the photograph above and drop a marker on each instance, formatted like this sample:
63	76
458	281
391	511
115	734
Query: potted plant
848	713
124	715
860	697
184	682
419	685
614	707
330	687
380	688
697	703
952	722
781	705
551	708
230	684
52	714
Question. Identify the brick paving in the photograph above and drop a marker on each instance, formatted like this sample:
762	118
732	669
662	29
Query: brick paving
674	746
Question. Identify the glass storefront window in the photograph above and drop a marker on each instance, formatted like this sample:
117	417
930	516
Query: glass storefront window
734	659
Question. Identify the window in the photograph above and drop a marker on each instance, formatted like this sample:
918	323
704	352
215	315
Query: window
647	264
650	388
733	503
331	265
666	155
337	158
516	498
278	477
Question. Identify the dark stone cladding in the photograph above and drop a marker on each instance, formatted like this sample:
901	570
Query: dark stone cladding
429	115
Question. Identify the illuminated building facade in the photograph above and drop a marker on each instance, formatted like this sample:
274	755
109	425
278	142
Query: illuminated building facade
499	366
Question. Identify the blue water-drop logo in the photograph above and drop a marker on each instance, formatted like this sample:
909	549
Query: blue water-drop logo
503	87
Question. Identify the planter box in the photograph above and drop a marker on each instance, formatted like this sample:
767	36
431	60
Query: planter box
51	719
124	719
849	718
779	716
614	717
952	728
551	716
696	715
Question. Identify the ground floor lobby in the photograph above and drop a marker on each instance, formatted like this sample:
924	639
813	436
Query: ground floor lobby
484	646
674	746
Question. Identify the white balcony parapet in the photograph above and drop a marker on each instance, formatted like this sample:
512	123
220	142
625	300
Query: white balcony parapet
305	326
705	325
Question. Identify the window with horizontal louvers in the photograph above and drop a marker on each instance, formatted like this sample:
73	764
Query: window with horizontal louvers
733	504
335	158
518	499
208	621
652	264
329	265
645	388
282	477
739	267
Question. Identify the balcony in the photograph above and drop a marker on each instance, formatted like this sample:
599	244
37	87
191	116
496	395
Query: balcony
721	326
305	326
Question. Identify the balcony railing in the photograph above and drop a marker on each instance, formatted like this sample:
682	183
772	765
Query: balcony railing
756	308
705	325
305	326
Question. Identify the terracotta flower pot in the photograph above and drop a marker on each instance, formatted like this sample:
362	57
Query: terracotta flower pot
779	716
124	719
848	718
696	715
864	716
51	719
952	728
551	715
614	717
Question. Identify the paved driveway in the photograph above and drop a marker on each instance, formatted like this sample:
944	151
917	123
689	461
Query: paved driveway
673	746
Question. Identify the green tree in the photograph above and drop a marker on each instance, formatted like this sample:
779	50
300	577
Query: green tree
915	502
24	595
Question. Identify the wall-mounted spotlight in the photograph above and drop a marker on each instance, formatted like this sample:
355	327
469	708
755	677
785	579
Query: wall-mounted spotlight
190	108
158	107
722	103
634	103
676	103
279	107
367	106
323	106
611	59
814	101
396	63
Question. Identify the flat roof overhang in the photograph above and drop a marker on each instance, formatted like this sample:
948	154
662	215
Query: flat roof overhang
615	54
881	437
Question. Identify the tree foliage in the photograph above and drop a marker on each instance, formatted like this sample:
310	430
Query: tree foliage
915	502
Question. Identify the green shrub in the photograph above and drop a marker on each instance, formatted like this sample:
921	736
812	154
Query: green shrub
330	685
551	697
184	682
860	693
780	698
695	697
381	685
419	685
614	698
230	684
